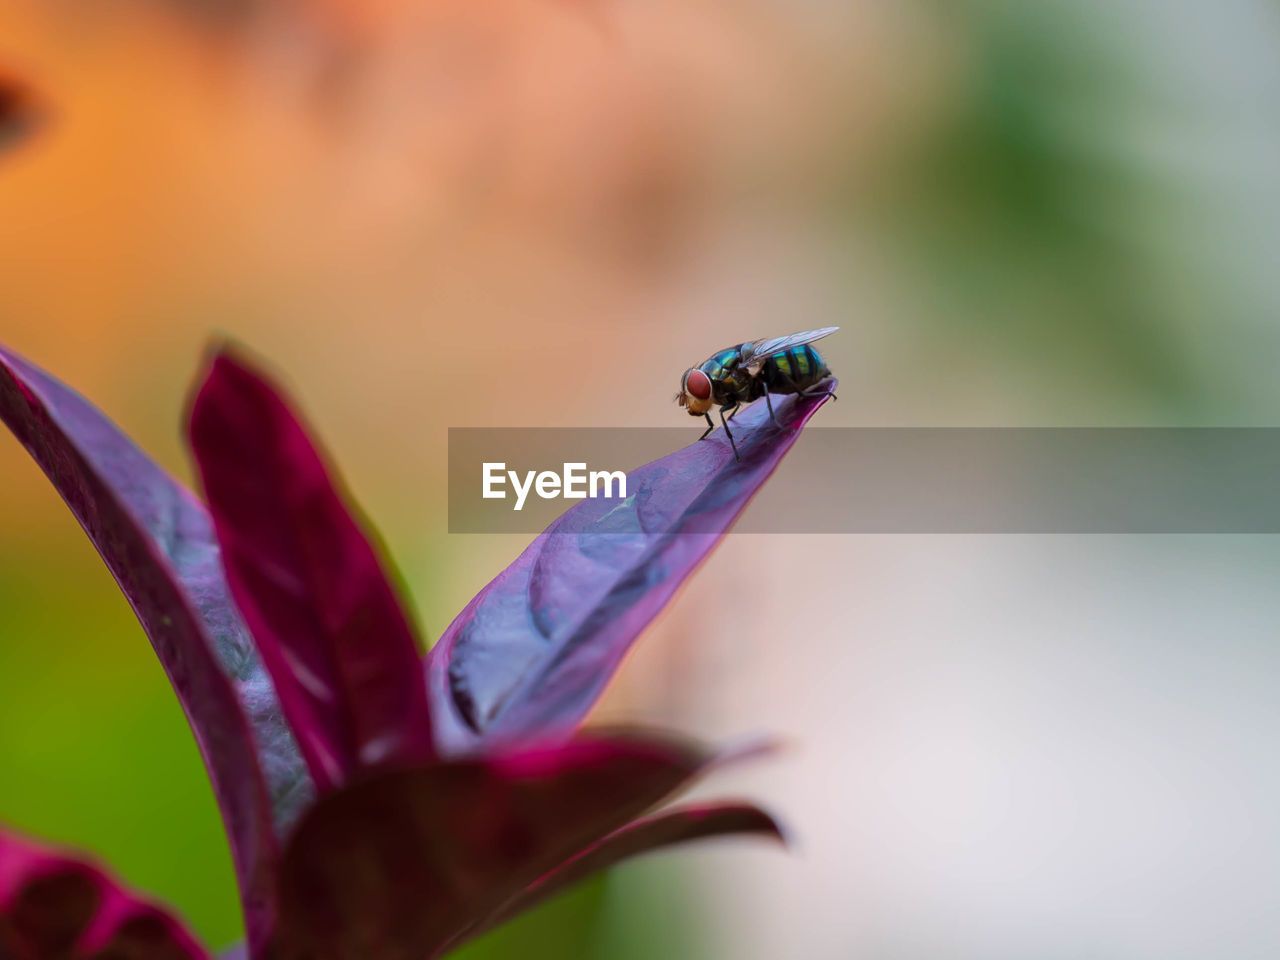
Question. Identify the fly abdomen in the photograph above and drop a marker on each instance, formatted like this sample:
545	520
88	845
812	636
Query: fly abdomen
796	369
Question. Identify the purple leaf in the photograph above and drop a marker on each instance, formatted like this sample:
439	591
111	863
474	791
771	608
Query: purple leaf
665	829
530	655
55	907
310	584
158	542
408	863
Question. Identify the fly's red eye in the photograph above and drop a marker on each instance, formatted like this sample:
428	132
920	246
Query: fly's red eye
697	384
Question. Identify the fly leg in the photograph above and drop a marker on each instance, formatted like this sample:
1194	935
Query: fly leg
819	393
725	424
810	392
711	425
768	401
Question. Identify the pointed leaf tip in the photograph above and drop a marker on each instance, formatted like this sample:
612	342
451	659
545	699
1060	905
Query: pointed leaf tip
529	656
308	580
668	828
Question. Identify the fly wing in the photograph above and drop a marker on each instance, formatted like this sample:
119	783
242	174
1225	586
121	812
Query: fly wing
753	353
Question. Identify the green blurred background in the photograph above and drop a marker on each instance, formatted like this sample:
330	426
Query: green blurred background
448	213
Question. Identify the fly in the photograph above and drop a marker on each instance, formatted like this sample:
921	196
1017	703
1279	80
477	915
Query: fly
759	368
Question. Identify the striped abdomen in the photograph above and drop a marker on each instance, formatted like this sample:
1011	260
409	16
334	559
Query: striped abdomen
796	369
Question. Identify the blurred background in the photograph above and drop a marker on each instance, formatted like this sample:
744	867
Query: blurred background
435	213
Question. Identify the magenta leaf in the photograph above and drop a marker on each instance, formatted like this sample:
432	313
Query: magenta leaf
158	542
409	863
530	655
679	825
56	907
20	112
310	584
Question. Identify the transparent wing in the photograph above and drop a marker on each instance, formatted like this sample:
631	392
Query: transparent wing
762	349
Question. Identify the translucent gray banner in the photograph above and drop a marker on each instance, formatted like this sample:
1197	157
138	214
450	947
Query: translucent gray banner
905	480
